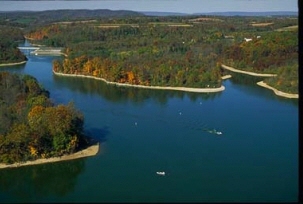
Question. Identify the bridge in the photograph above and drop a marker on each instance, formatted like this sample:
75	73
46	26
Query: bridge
28	48
42	50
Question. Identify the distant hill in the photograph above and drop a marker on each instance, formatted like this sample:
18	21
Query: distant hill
228	13
266	13
65	14
155	13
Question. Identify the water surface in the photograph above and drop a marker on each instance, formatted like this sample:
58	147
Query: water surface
142	131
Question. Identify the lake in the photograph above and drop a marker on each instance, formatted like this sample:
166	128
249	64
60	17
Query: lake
143	131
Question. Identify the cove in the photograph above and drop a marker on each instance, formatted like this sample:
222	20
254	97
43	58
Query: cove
143	131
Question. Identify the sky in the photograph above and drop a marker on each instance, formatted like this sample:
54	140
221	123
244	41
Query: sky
181	6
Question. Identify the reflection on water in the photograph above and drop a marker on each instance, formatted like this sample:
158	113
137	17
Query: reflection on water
30	183
245	79
115	93
15	68
99	134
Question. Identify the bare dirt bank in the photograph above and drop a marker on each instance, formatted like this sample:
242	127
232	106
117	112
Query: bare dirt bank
90	151
12	64
277	92
246	72
197	90
226	77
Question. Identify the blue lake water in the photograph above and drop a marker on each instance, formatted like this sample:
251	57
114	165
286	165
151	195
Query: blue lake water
145	131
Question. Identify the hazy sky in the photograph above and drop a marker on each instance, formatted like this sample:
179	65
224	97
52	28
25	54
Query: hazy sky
183	6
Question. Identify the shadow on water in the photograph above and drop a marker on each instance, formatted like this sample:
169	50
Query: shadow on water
34	183
118	94
15	68
98	134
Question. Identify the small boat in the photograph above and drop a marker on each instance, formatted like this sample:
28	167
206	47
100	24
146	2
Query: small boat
215	132
162	173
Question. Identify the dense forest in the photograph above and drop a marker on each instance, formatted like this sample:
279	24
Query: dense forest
177	50
128	47
25	19
31	126
274	52
9	38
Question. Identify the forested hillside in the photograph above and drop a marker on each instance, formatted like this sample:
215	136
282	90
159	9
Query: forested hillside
31	127
274	52
9	38
126	47
175	51
33	18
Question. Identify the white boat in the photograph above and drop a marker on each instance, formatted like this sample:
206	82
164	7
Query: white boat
214	131
162	173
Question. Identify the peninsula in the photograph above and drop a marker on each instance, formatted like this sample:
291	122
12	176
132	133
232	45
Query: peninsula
277	92
92	150
262	83
40	131
186	89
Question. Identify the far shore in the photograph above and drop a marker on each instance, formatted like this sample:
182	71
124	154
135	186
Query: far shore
12	64
277	92
246	72
261	83
90	151
187	89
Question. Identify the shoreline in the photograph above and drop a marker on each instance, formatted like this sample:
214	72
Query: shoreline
186	89
226	77
90	151
246	72
277	92
12	64
262	83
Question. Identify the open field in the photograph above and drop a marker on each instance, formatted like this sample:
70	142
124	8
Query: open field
205	19
70	22
115	25
170	24
261	24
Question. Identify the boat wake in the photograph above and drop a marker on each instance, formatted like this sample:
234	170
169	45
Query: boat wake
213	131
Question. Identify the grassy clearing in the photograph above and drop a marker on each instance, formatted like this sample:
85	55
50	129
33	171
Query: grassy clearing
261	24
24	20
205	19
170	24
289	28
116	25
70	22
